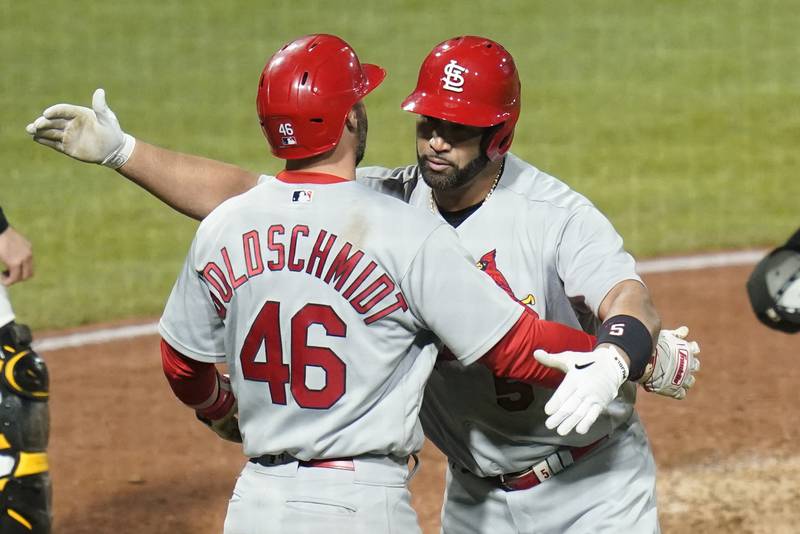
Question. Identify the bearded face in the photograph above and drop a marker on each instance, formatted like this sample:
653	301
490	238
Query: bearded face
449	155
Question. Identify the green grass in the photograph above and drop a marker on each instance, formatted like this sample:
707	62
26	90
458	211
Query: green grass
680	119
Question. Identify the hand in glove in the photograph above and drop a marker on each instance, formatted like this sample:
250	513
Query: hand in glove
90	135
592	381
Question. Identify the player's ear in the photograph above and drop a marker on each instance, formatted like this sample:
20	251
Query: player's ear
356	115
351	122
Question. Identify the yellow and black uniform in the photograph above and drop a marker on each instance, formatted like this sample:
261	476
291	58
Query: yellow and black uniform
25	494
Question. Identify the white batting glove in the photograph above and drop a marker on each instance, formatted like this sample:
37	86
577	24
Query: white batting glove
592	381
90	135
671	372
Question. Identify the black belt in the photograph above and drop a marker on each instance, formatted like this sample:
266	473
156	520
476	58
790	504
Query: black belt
266	460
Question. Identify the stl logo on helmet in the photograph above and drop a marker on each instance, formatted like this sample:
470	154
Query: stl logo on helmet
453	80
287	134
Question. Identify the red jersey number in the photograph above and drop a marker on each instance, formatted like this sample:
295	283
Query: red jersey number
266	331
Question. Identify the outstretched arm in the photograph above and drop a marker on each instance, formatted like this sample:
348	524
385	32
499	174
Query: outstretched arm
190	184
588	374
587	379
511	357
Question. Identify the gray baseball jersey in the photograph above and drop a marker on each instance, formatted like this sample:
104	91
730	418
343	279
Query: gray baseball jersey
320	295
555	252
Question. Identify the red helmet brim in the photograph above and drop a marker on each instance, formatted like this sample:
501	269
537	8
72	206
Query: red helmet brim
454	109
375	75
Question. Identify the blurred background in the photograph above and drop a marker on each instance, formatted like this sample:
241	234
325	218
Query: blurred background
679	119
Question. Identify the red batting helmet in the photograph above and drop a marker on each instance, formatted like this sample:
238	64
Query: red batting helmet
473	81
306	91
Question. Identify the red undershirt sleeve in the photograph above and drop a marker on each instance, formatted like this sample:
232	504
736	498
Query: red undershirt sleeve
512	356
193	382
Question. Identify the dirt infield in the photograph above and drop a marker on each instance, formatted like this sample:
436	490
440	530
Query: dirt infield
128	458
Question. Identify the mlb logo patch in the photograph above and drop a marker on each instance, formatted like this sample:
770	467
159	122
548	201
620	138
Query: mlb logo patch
302	195
288	141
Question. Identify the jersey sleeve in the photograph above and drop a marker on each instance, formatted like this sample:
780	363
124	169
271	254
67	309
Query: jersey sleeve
190	322
398	182
513	357
590	257
455	300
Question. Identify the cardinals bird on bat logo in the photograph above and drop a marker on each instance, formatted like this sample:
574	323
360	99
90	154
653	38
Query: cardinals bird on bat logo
488	264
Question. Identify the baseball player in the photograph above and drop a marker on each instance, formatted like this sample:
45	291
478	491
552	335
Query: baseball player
567	262
774	287
25	503
540	241
323	315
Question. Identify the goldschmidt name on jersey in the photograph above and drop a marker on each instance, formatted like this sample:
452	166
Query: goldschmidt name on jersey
352	273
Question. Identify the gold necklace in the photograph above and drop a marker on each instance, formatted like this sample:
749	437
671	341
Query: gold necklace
488	195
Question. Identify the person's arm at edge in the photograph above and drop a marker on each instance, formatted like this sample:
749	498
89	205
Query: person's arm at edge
15	252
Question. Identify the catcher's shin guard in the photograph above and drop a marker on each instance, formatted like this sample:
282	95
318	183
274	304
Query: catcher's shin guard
25	494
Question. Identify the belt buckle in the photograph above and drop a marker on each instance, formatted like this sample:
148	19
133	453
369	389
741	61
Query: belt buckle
277	459
268	460
505	479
